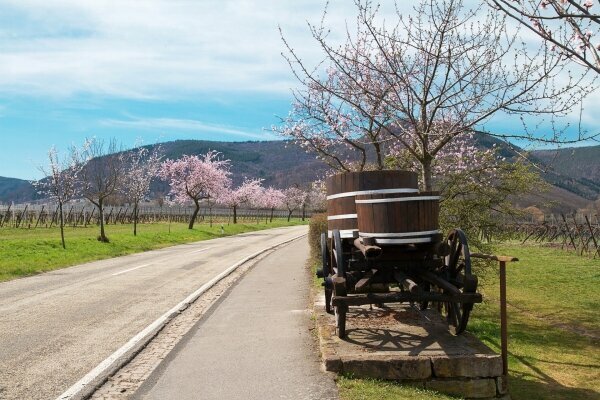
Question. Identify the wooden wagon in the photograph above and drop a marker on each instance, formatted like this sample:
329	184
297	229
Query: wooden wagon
384	245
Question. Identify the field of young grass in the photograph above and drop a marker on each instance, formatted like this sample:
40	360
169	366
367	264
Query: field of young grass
554	329
26	252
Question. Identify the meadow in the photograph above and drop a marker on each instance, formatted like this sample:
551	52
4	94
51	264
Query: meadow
553	329
25	252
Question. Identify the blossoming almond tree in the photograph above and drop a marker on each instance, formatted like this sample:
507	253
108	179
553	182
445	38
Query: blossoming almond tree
293	199
570	27
101	175
142	165
60	183
270	199
194	179
248	192
440	73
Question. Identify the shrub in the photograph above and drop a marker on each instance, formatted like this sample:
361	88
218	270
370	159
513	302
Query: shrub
316	226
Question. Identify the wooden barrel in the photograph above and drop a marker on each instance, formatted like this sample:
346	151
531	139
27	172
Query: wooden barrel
342	190
399	218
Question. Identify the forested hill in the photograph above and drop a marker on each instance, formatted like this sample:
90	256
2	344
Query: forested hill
17	190
575	173
578	169
279	163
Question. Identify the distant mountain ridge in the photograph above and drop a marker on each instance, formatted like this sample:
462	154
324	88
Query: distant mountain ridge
574	172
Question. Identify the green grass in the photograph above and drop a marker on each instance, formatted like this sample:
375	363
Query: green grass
553	298
371	389
27	252
554	350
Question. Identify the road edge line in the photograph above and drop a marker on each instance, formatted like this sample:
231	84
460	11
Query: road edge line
87	385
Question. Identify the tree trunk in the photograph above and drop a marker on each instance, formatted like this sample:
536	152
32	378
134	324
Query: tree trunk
426	174
380	165
135	218
290	214
271	219
102	237
62	225
235	214
303	211
194	214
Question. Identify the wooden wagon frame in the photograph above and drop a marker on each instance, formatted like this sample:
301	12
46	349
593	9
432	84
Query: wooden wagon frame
406	261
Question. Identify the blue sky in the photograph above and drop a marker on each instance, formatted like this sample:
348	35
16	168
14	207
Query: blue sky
155	70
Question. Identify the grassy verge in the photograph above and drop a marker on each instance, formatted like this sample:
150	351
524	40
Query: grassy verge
368	389
30	251
553	329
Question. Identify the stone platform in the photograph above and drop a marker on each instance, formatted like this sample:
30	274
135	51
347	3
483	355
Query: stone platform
399	342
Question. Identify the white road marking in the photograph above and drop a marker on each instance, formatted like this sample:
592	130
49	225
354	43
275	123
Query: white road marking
109	362
131	269
200	251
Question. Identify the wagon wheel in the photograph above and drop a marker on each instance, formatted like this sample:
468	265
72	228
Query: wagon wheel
339	289
457	271
338	266
327	271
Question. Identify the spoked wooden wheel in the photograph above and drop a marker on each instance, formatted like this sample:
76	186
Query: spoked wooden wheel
339	271
327	271
457	271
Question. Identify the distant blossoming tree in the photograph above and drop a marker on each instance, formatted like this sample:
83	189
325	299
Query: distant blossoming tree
271	199
194	179
317	196
142	165
101	175
248	192
60	182
293	199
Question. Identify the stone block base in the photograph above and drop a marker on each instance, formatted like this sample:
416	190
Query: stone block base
404	344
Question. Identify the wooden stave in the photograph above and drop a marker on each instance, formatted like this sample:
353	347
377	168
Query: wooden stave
387	222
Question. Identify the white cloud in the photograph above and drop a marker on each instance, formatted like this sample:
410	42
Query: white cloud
162	49
157	48
186	124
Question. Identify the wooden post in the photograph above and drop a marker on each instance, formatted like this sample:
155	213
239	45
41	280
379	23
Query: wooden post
578	231
39	217
503	303
18	221
5	216
503	319
569	232
587	221
54	216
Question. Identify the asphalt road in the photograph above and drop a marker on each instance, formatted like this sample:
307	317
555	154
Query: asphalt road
57	326
254	345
